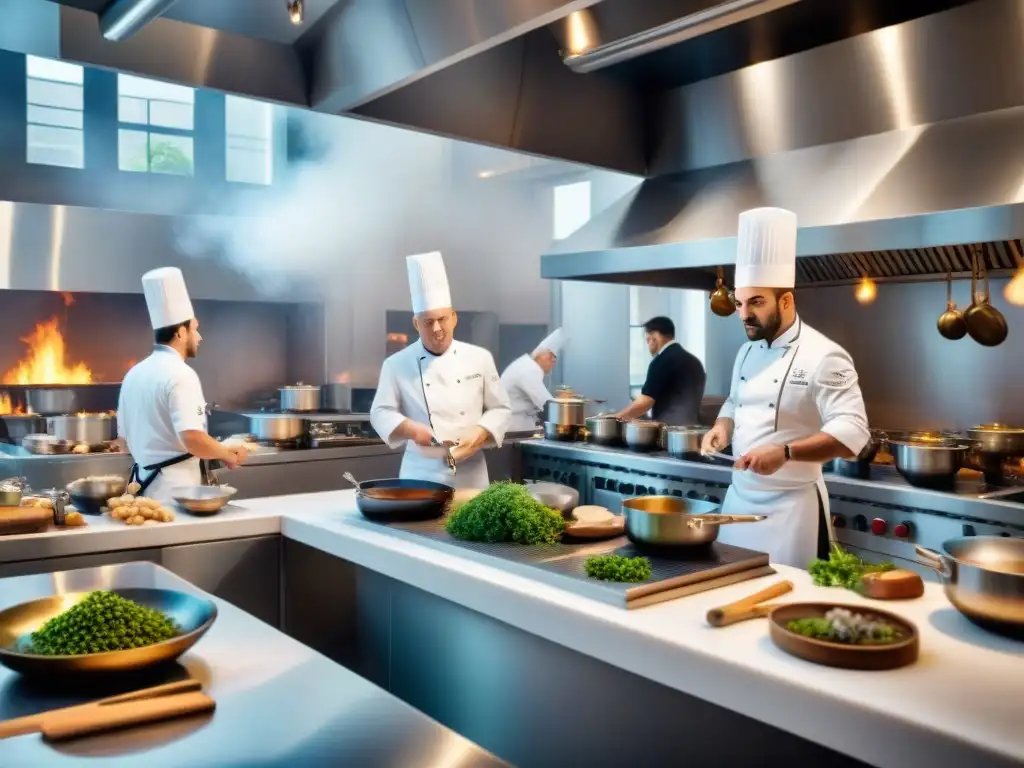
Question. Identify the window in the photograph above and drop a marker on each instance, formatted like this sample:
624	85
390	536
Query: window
54	112
572	208
639	354
147	105
248	151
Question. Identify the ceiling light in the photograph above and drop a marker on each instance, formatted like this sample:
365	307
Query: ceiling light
295	11
866	291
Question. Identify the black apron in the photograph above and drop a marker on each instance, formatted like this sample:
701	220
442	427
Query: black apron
154	471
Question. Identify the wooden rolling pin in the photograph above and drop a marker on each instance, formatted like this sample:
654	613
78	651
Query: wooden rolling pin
34	723
751	607
111	716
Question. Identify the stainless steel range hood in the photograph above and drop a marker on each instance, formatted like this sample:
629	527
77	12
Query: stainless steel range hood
893	147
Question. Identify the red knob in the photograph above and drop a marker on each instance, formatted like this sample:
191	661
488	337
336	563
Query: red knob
838	521
878	526
902	530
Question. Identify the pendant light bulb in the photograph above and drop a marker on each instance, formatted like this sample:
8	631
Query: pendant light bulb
1014	291
866	291
295	11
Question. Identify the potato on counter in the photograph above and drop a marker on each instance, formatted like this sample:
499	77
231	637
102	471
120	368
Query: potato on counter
138	510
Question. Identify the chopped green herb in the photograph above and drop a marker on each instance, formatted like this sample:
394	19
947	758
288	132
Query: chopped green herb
843	569
103	621
618	568
506	512
841	625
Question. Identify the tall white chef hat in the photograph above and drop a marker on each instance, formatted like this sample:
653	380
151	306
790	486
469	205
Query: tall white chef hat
553	343
766	249
428	282
166	297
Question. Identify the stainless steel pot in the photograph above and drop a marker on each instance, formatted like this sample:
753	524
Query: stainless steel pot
997	439
46	445
684	442
336	398
16	426
983	577
51	401
860	466
88	428
567	411
300	398
928	465
277	427
642	435
604	430
560	432
671	521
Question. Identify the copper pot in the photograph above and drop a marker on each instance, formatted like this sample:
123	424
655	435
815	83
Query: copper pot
985	323
722	302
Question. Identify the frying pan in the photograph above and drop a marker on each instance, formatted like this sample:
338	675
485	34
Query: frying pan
394	500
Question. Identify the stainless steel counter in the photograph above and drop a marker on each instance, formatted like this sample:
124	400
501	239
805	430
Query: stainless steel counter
278	702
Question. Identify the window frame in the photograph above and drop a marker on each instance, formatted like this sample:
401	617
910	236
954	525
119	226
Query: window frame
149	129
268	141
76	82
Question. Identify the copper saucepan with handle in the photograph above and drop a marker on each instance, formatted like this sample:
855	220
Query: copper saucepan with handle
671	521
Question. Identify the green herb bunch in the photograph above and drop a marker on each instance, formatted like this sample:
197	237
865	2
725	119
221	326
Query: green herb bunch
618	568
506	512
103	621
843	569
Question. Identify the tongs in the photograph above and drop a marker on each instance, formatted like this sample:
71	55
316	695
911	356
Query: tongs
448	457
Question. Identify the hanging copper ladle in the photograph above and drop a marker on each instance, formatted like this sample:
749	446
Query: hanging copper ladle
722	303
951	322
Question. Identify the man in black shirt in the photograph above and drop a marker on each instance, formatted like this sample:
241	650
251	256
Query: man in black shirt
675	379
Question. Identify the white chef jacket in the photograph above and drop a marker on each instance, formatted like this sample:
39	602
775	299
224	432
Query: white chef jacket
800	384
462	391
160	398
523	381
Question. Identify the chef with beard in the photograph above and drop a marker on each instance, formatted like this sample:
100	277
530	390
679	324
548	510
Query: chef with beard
439	392
523	381
161	411
794	403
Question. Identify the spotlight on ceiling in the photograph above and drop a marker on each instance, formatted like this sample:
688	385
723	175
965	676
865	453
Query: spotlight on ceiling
295	11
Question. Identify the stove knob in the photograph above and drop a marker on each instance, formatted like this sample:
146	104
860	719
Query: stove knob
968	530
838	521
878	526
860	523
902	530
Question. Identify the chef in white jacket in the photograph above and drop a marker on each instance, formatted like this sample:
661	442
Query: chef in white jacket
161	411
439	390
523	380
794	403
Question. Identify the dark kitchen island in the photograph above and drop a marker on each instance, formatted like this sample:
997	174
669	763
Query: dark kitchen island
279	703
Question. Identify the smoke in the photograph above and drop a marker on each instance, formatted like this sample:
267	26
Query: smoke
353	197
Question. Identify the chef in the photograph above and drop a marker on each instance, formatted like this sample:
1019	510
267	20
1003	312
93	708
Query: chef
794	403
675	379
523	381
439	392
161	412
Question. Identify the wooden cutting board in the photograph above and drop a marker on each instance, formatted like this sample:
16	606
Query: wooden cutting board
24	519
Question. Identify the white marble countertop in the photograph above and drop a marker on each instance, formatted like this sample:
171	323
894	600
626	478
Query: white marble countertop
955	707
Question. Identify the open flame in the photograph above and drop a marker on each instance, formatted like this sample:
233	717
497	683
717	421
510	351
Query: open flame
44	363
8	407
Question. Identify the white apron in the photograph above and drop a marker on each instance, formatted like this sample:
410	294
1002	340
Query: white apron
430	464
186	473
770	403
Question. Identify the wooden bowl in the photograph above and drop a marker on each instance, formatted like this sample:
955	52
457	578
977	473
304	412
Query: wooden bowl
833	654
